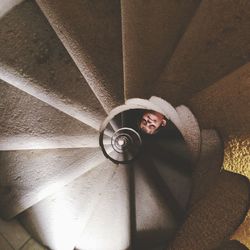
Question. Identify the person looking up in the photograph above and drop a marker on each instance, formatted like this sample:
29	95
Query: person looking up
151	122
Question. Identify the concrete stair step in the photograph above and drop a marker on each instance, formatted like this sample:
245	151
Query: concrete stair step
4	244
91	33
174	154
216	42
109	226
179	183
28	123
29	176
13	233
228	112
217	215
59	220
228	93
168	110
185	121
151	31
208	166
34	60
170	148
155	222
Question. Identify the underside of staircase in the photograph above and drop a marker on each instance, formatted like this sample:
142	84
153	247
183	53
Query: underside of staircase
75	79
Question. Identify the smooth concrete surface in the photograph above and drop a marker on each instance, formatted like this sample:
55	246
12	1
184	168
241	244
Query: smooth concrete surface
33	245
14	236
209	165
59	220
29	176
28	123
13	233
225	106
109	226
216	216
216	42
151	30
91	32
34	60
155	222
4	244
178	182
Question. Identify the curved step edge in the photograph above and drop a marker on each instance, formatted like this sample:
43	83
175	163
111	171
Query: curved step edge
185	121
209	164
190	130
215	217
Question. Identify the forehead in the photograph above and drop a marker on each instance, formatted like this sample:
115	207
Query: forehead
153	114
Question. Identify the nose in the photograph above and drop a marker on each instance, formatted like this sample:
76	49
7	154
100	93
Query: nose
148	129
149	122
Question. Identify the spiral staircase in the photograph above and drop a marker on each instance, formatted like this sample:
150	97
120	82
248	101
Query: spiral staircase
72	74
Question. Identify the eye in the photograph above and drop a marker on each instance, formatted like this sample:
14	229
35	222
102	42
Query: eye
151	118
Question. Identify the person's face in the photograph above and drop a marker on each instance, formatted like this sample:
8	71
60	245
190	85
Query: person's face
151	121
